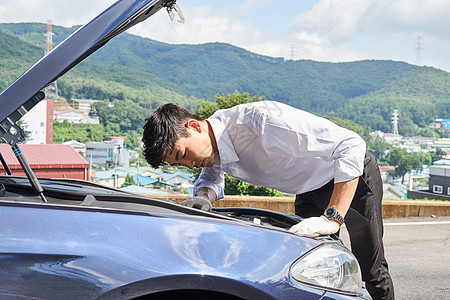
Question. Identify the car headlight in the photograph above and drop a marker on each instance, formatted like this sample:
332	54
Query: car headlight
329	266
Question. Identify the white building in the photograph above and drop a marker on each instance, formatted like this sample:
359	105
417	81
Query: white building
39	123
75	117
108	152
77	146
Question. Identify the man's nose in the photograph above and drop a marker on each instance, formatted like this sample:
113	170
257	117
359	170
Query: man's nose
188	163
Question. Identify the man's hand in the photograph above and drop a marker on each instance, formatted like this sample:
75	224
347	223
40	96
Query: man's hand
315	226
199	202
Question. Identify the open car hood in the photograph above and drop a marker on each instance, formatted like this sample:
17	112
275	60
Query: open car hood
23	94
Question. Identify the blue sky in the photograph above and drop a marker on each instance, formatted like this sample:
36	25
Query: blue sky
322	30
268	15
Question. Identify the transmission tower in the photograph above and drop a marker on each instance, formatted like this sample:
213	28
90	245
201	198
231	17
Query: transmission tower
52	88
419	50
292	52
395	122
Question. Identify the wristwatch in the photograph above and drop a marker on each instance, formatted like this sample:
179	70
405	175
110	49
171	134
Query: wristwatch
332	214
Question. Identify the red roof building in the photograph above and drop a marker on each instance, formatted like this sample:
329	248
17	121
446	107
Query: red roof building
49	161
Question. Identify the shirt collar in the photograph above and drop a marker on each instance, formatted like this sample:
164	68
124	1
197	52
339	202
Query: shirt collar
227	153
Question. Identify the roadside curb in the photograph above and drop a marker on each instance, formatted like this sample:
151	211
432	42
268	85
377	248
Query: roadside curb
416	208
391	208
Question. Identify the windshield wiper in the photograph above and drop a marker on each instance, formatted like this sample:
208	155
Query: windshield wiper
12	134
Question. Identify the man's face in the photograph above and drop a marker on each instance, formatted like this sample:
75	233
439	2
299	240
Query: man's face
194	151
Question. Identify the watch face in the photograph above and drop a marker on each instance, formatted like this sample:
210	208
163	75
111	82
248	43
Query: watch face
332	214
330	211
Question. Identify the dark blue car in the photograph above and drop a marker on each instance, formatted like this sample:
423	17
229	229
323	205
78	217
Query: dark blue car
72	239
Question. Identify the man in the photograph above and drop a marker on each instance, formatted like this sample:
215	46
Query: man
277	146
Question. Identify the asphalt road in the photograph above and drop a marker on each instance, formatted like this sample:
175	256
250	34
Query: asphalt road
418	253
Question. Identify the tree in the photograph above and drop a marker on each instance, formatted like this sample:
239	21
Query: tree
126	113
128	181
24	127
122	117
437	154
224	101
362	131
395	155
378	148
403	162
407	163
425	158
231	185
247	189
79	132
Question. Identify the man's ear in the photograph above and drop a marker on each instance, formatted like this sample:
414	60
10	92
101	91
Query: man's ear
194	124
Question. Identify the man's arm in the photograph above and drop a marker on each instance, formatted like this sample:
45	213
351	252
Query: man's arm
341	199
342	196
207	192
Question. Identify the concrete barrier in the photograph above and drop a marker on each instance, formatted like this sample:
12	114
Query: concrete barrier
391	208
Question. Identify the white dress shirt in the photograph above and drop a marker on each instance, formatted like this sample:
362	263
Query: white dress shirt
274	145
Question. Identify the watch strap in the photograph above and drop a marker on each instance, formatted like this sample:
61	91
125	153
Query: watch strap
332	214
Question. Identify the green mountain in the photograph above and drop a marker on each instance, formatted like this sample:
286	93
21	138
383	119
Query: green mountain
21	45
150	73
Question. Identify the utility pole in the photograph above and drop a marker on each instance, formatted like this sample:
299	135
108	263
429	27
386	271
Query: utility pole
116	151
137	165
52	88
90	168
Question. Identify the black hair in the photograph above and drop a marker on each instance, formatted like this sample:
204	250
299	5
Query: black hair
162	129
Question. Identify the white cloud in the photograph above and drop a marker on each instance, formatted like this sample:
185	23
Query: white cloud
373	29
331	20
64	13
203	25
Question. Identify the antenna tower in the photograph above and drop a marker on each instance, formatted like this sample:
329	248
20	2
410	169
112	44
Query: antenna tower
395	122
419	50
52	88
292	51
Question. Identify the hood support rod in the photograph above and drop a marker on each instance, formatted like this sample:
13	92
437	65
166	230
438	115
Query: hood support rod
12	134
28	171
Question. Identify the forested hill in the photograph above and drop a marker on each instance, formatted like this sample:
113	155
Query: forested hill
365	92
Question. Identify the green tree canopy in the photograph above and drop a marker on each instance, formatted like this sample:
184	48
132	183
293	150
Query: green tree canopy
378	148
407	163
437	154
207	108
395	155
403	162
65	131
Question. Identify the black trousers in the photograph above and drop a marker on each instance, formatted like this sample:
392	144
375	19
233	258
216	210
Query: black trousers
364	224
